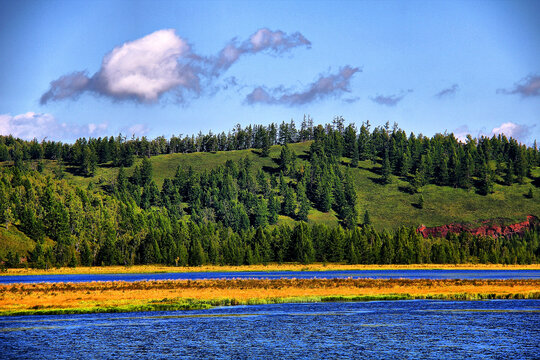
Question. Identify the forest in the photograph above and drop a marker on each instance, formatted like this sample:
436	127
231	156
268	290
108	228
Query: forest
228	213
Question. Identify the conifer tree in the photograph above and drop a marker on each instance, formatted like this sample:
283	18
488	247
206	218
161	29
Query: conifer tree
303	201
289	202
367	219
273	209
386	170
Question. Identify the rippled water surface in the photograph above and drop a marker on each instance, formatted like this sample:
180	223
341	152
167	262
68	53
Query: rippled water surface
374	274
499	329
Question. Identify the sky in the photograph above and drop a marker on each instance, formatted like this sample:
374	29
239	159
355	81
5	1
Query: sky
71	69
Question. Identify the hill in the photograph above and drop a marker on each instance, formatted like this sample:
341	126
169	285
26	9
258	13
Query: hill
318	194
390	206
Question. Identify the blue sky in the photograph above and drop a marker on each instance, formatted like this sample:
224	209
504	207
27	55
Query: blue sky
95	68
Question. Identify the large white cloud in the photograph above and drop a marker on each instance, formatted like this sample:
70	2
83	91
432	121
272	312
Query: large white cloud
145	69
33	125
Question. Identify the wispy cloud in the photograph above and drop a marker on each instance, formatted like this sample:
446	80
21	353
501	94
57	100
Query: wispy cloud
526	87
33	125
447	92
351	100
324	87
144	69
390	100
276	42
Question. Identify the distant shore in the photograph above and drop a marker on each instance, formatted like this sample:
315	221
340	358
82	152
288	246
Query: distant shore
136	269
166	295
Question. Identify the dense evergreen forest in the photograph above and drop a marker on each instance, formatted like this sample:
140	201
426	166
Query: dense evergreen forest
228	215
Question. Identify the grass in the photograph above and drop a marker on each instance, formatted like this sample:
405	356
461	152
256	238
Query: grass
390	206
164	166
137	269
11	239
62	298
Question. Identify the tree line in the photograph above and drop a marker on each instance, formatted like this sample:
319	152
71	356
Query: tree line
441	159
133	221
88	227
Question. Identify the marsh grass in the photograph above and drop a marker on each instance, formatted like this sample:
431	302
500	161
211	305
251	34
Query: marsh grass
118	296
137	269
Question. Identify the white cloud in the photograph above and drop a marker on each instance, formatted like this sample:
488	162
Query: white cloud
147	67
325	86
137	130
519	132
510	129
33	125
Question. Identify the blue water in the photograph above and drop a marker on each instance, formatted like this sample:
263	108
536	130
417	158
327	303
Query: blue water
373	274
498	329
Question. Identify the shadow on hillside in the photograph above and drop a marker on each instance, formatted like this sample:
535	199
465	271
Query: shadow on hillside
108	165
270	170
377	180
536	181
416	206
407	189
74	170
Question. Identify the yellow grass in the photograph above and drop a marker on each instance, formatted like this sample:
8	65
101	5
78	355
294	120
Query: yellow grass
270	267
100	296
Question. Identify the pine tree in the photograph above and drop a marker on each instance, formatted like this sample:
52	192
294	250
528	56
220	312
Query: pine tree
386	170
146	171
196	253
509	175
302	244
367	220
486	179
289	202
260	218
121	180
303	211
273	209
354	158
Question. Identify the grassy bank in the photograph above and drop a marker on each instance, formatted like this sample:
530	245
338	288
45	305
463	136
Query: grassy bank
137	269
74	298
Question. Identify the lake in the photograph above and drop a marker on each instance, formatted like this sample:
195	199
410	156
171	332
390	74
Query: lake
355	274
502	329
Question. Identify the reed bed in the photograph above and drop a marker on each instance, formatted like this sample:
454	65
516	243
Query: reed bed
269	267
119	296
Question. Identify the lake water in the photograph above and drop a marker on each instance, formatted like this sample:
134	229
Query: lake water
498	329
373	274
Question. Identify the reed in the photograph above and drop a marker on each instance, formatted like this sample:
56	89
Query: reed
269	267
60	298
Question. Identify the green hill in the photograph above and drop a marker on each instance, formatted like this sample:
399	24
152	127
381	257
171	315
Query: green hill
181	201
390	206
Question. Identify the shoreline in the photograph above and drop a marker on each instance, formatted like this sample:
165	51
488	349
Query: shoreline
169	295
143	269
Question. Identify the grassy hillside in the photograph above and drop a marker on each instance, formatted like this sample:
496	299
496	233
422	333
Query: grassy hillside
389	206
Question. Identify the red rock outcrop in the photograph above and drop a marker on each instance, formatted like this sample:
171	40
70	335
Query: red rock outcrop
491	228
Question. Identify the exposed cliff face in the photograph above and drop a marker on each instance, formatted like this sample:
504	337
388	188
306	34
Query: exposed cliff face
491	228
